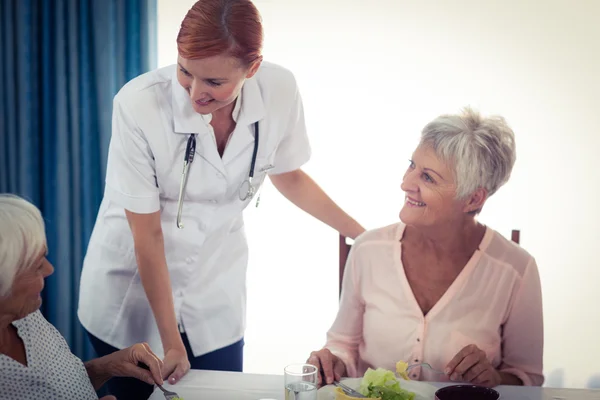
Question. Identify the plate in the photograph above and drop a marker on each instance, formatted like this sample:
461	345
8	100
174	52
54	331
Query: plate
422	390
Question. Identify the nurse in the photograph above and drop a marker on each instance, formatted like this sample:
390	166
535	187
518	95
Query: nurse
191	145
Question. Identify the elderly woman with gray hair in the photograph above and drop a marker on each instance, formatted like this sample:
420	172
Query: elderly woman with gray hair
35	361
439	287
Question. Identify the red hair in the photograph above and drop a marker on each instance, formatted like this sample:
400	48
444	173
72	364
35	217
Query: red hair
213	27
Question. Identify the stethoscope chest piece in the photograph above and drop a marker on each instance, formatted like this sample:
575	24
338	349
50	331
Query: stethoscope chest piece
247	190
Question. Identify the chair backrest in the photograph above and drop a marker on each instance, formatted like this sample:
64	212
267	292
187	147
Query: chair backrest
345	250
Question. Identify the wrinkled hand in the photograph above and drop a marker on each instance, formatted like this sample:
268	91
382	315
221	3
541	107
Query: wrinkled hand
471	365
176	365
330	367
125	362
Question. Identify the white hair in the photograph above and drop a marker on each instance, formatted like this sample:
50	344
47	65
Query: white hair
481	150
22	238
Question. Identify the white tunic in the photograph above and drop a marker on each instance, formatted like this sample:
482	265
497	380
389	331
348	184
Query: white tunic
207	260
52	371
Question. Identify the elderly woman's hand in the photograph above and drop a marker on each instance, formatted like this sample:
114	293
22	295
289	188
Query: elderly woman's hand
472	365
137	361
330	366
127	363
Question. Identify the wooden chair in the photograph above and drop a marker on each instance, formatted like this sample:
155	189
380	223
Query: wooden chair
345	250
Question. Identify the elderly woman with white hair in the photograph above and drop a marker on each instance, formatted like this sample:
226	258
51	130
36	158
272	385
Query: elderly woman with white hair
35	360
439	287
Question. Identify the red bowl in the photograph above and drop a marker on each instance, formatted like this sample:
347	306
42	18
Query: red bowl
466	392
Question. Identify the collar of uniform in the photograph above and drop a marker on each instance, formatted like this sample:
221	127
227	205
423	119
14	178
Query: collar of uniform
235	114
252	108
248	109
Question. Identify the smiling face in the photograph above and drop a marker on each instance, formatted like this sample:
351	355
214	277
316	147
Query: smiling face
430	188
25	294
214	82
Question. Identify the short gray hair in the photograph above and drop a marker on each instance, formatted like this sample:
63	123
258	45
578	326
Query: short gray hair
481	150
22	238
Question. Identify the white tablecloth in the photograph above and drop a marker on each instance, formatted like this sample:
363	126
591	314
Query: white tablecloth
215	385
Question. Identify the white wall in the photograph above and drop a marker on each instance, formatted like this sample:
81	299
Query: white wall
372	73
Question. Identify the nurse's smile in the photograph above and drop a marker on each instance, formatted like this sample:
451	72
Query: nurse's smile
204	103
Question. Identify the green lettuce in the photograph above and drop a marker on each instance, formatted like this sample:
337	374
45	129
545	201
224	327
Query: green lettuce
383	383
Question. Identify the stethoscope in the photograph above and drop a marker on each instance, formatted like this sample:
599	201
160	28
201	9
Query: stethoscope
246	190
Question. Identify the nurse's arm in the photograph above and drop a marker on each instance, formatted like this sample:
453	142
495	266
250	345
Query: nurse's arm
154	274
300	189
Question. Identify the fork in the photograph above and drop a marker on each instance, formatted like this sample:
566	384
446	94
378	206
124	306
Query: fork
349	390
425	365
168	395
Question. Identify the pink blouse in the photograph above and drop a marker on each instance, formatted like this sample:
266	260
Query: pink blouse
494	303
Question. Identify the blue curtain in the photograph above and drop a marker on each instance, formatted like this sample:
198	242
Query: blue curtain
61	63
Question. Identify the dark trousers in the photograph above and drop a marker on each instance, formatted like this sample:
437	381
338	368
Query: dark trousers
230	358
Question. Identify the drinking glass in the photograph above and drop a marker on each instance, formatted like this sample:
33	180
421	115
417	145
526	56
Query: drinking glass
300	382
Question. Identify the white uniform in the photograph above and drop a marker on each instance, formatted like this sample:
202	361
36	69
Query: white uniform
207	260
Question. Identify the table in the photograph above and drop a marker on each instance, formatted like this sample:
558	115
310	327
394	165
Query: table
217	385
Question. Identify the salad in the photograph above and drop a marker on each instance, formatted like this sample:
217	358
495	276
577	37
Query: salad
383	384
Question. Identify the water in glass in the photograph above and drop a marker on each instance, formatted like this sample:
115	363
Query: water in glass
301	391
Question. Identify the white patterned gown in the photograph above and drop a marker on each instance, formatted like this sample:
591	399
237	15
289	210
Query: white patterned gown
52	371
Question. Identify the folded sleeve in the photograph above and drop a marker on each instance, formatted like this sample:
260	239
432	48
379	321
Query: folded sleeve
523	331
294	149
345	335
130	173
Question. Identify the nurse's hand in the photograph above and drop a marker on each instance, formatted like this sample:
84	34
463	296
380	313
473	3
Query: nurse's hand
175	365
330	366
